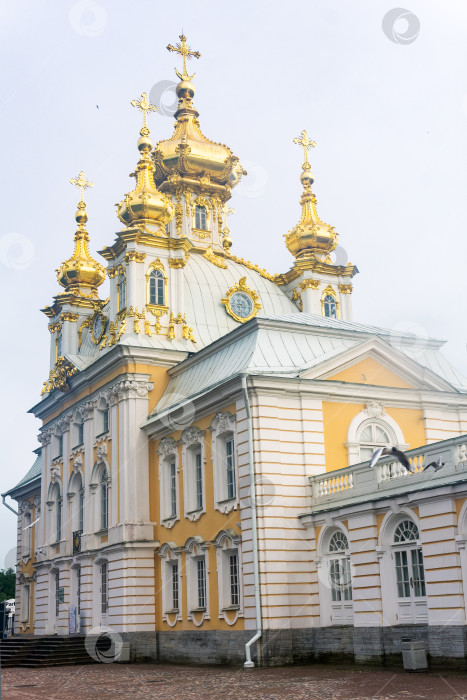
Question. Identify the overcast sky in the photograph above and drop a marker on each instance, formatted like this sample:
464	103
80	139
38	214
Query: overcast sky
387	108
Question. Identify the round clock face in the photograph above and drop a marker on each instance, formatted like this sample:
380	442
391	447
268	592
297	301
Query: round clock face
97	328
241	304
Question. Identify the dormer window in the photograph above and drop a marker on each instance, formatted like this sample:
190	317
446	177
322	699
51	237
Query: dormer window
156	288
329	303
201	218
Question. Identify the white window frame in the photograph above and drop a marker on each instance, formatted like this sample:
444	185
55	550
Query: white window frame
193	444
374	412
103	419
223	429
26	534
55	512
332	612
168	454
227	544
196	549
100	468
394	608
170	555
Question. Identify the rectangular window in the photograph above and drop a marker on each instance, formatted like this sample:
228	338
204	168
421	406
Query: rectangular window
104	504
59	520
334	575
121	292
230	468
175	602
105	420
199	480
104	592
81	510
418	573
80	433
25	594
78	590
234	588
402	573
59	446
201	571
57	594
173	489
346	578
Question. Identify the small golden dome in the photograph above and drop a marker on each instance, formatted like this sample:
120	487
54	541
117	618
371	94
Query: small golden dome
311	236
81	274
188	153
145	206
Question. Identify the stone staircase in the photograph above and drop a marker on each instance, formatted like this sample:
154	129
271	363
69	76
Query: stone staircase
32	652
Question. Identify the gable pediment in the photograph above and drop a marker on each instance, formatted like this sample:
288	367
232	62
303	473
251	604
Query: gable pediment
376	362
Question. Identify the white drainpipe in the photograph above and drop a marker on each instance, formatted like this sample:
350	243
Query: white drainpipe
254	530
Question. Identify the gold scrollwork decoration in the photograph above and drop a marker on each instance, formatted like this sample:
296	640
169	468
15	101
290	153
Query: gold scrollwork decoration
241	288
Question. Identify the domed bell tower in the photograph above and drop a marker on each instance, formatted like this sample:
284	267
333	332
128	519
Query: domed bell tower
316	283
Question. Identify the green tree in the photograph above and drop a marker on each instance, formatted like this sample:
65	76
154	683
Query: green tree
7	584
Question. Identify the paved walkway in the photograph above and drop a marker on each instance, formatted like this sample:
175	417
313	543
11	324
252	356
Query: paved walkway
145	681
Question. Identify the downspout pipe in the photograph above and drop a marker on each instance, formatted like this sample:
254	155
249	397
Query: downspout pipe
254	528
7	506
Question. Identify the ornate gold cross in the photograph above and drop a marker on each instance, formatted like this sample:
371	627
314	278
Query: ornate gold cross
186	53
144	106
306	143
82	183
226	210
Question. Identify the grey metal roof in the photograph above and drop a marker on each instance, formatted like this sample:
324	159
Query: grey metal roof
32	474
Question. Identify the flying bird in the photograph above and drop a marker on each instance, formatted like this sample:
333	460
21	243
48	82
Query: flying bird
436	465
28	526
400	456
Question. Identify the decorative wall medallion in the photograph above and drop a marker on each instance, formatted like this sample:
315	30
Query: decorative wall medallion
241	302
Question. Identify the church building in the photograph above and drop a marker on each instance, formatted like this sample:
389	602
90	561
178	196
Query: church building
202	484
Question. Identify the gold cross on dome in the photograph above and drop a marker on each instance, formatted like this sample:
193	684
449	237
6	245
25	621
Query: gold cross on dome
186	53
82	183
144	106
226	210
306	143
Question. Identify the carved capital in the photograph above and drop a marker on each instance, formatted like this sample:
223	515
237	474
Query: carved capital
309	283
130	388
87	410
64	422
134	256
44	437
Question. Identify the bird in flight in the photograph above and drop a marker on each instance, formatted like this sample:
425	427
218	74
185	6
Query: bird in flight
28	526
398	454
436	465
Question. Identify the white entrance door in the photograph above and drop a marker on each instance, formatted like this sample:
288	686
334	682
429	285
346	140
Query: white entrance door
411	590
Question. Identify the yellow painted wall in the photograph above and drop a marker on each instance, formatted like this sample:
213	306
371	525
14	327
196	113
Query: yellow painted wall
208	526
338	416
370	371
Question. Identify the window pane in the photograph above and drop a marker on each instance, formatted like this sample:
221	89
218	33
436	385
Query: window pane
366	435
406	531
230	468
334	575
199	480
78	590
234	591
402	574
104	502
57	594
418	573
338	542
173	490
175	586
201	570
104	588
200	218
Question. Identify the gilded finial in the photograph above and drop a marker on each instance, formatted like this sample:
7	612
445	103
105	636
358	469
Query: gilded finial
306	144
226	210
82	183
185	52
144	106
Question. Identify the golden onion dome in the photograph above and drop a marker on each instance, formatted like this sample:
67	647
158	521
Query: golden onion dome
311	236
145	206
81	274
188	154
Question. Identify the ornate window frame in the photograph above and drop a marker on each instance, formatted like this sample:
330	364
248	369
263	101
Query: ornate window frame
156	309
374	412
192	440
227	544
101	473
168	454
170	555
223	429
196	549
121	285
55	508
201	201
323	562
330	291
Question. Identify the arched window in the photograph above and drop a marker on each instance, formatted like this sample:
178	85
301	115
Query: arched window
26	537
201	218
339	568
335	578
104	492
121	292
371	437
156	288
330	306
408	560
